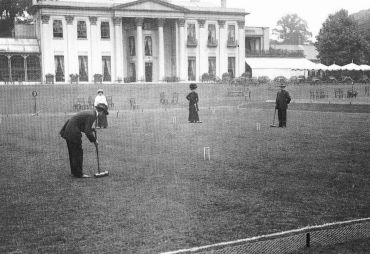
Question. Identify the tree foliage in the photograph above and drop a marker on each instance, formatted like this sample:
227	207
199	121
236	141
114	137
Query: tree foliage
9	10
340	41
293	30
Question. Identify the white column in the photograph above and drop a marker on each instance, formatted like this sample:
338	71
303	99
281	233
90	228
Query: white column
139	50
25	67
47	60
118	48
222	46
70	57
177	63
202	44
241	43
96	62
161	49
182	57
10	67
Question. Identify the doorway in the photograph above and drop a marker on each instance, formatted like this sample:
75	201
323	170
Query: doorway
148	72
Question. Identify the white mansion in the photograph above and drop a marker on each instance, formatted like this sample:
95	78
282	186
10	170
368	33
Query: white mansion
142	40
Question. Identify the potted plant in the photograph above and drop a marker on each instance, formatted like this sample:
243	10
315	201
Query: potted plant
98	78
49	78
73	78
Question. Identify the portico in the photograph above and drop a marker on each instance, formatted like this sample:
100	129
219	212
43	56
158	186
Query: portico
142	41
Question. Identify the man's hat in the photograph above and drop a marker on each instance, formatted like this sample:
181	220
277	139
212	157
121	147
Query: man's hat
193	86
100	91
102	107
282	85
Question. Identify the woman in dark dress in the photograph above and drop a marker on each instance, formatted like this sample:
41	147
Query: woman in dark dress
193	99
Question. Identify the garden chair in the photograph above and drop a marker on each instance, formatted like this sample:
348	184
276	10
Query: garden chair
315	80
90	101
175	98
367	91
162	98
133	104
110	101
82	103
364	79
324	94
351	93
338	93
332	79
312	95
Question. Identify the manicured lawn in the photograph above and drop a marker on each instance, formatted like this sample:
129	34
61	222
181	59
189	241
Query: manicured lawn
161	195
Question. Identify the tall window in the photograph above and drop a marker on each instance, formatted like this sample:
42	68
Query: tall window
148	45
4	69
231	66
132	72
57	29
17	63
83	68
231	33
191	32
131	44
104	28
211	33
33	68
191	68
212	66
59	68
81	30
106	65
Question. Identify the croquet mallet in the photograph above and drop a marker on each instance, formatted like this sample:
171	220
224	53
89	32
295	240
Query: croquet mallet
100	173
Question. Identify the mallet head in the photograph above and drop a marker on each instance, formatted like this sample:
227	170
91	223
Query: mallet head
101	174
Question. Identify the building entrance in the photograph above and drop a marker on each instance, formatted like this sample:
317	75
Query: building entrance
148	72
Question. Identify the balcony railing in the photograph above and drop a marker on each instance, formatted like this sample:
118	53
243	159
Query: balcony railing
212	43
232	43
192	42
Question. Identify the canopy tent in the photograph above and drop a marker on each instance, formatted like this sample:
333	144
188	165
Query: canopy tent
334	67
276	66
365	67
351	67
320	66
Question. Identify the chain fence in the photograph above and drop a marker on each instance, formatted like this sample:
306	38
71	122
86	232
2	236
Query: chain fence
290	241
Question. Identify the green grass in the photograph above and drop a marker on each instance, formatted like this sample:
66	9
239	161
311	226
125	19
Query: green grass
161	195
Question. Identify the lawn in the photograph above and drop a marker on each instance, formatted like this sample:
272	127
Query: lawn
161	194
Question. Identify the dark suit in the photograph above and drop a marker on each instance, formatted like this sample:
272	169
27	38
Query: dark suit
282	100
71	132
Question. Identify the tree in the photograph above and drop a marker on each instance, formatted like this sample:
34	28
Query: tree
340	41
9	10
293	30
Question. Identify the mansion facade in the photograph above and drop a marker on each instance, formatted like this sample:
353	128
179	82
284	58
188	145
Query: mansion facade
133	41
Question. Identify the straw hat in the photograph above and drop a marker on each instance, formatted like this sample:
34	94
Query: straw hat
100	91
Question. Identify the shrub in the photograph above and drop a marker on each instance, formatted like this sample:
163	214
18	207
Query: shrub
171	79
205	77
98	78
226	78
49	78
129	79
263	80
247	74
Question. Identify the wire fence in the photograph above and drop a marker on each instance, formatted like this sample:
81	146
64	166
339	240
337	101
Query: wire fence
290	241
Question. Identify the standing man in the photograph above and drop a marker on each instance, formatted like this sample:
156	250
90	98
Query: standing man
71	132
282	101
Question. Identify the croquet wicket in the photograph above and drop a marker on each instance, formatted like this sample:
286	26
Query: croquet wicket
207	152
258	126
